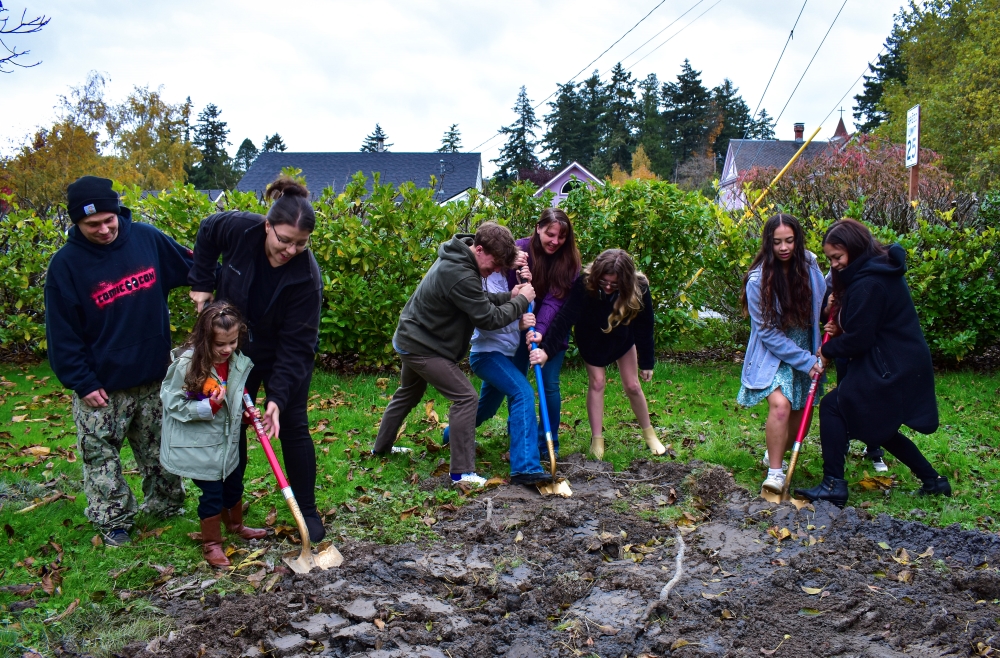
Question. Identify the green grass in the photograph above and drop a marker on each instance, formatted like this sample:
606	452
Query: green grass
374	498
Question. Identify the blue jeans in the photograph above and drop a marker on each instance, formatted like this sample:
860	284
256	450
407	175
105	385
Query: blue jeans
550	381
502	379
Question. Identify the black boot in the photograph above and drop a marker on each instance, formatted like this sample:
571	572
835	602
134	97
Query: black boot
939	486
830	489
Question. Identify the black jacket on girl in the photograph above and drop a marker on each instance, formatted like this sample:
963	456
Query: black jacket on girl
588	316
886	379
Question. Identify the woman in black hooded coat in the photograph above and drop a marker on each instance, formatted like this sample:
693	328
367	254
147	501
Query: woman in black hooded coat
885	375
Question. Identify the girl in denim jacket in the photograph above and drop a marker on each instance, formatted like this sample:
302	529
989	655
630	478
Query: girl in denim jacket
783	294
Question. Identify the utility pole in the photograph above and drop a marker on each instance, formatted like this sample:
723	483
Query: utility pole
913	150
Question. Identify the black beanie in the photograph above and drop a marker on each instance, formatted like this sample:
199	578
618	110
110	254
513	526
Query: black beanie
88	195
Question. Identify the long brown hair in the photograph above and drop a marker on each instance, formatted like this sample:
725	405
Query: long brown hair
628	299
785	294
554	273
217	316
853	237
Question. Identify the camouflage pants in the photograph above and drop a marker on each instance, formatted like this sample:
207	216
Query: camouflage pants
136	414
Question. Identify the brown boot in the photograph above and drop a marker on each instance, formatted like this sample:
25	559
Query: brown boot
233	518
211	542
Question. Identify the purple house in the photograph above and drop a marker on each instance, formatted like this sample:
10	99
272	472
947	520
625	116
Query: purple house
562	183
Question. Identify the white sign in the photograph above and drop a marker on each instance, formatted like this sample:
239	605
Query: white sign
913	136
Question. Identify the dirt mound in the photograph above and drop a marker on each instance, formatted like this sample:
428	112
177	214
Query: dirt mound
515	574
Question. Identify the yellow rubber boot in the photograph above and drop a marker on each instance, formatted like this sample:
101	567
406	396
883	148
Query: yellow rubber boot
654	444
597	446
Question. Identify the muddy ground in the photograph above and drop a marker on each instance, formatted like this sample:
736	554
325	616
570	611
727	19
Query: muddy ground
523	576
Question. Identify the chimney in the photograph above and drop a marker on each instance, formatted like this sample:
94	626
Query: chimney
380	141
800	128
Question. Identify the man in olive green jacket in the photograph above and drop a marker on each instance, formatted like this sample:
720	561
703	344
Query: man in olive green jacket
434	331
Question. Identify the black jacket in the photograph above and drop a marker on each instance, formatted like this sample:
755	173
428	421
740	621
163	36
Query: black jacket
106	319
884	368
588	316
283	341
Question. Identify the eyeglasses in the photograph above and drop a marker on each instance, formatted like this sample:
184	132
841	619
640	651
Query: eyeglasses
607	285
286	242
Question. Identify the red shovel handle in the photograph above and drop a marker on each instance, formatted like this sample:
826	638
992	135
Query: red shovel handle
262	435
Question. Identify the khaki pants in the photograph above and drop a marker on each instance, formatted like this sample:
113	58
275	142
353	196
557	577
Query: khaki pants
135	414
451	382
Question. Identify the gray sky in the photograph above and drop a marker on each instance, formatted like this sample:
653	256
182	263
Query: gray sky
322	73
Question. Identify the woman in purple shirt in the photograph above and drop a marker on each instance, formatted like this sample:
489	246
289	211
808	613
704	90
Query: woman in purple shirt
554	262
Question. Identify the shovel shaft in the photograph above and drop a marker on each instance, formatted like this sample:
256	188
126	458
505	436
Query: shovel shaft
543	404
265	442
803	428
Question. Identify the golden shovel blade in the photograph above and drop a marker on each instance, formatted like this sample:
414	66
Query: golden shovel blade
558	487
326	557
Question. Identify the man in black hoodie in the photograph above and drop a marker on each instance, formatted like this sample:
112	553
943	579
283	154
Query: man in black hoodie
108	332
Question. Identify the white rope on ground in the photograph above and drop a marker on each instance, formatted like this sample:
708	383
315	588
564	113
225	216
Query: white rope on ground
489	509
678	574
679	569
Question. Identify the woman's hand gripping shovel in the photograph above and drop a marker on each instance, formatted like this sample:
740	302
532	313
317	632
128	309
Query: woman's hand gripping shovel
559	486
803	428
327	555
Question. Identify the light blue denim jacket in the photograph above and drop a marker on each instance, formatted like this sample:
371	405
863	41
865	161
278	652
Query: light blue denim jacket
769	346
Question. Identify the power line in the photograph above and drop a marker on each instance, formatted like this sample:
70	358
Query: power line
868	66
671	24
672	36
754	116
801	78
542	102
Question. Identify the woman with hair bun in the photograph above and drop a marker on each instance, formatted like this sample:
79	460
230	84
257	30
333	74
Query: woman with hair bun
611	312
269	274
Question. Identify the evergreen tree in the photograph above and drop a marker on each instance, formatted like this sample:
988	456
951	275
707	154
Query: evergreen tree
376	142
651	129
452	140
763	126
215	171
734	113
890	67
245	155
273	143
518	153
617	122
564	138
688	113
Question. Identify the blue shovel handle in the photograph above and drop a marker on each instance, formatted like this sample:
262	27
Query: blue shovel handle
542	404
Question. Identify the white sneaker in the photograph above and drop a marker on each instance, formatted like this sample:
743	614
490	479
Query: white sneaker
775	483
767	462
880	466
470	479
401	450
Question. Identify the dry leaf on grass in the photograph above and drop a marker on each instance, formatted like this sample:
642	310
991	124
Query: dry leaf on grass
272	517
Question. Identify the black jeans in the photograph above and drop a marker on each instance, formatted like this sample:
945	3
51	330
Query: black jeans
297	449
834	437
217	495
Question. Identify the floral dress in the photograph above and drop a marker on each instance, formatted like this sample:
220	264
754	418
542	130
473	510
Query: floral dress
793	383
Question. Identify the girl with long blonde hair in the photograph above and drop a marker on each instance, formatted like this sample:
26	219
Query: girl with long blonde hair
611	312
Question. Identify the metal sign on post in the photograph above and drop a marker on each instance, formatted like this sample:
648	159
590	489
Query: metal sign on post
913	149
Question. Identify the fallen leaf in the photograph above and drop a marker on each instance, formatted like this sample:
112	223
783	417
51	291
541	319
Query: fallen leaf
904	576
928	553
727	614
18	419
493	482
96	541
414	478
780	534
440	469
884	546
678	644
519	536
155	532
65	613
429	412
381	383
38	451
812	591
272	516
379	624
429	521
811	612
9	530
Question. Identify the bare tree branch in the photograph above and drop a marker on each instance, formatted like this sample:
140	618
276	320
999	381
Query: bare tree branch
23	26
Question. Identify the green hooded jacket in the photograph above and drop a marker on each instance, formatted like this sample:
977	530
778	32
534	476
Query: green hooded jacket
194	442
440	316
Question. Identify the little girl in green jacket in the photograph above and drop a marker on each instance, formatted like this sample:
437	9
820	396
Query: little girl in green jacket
202	411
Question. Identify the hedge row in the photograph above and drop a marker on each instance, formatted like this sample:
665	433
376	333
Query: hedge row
374	241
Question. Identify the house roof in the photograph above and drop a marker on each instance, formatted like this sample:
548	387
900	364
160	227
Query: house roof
574	169
462	170
744	154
